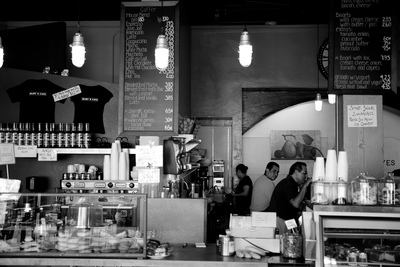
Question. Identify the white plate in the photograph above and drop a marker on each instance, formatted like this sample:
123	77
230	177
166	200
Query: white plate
159	257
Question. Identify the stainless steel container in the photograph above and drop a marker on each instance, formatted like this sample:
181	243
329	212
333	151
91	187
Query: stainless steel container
226	245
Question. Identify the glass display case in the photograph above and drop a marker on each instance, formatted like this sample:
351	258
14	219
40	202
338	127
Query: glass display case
73	225
357	235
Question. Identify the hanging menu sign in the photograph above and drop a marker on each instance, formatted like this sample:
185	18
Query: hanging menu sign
148	96
362	45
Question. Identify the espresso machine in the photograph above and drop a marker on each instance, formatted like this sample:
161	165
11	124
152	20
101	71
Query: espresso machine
218	180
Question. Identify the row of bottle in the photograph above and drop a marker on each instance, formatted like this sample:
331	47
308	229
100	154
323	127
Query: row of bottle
47	135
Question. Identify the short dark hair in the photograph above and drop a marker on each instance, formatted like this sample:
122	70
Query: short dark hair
396	172
270	165
297	166
243	168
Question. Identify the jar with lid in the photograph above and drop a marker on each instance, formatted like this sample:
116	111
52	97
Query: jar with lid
318	194
341	198
389	190
364	190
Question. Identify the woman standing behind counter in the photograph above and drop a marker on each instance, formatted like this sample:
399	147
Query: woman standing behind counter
243	192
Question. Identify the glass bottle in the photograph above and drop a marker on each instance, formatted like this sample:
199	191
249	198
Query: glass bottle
60	135
73	135
8	133
79	138
27	140
33	134
39	135
14	133
2	133
67	135
46	136
21	135
53	135
87	136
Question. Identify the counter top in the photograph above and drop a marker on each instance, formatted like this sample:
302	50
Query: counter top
180	256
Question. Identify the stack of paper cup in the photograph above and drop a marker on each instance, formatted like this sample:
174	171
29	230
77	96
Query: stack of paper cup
331	166
343	167
319	169
107	168
122	166
114	161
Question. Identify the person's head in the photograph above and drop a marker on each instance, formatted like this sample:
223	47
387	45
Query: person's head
241	171
396	172
299	172
272	170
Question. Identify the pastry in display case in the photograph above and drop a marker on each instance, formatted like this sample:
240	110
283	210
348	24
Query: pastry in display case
73	225
367	236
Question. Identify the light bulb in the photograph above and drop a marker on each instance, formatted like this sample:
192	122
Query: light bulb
318	102
245	49
161	53
78	50
1	54
331	98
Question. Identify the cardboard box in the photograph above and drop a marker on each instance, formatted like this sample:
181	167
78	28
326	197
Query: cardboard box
267	244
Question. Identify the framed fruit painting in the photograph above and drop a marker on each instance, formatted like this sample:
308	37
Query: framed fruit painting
295	144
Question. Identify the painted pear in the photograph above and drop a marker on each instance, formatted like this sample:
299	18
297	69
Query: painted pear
289	150
299	150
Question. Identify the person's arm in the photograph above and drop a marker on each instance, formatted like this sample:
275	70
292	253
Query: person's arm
245	192
298	199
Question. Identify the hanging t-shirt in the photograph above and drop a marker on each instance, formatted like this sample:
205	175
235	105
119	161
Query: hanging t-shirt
89	106
36	102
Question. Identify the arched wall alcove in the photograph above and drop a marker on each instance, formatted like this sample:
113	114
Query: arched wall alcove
266	110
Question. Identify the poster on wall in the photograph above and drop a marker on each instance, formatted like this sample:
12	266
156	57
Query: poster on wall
295	144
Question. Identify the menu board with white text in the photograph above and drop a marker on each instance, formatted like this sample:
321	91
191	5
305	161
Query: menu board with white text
148	98
362	46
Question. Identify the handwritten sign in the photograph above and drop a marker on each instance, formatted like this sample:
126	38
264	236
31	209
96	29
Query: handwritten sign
148	175
148	100
7	154
362	45
149	155
67	93
47	154
25	151
362	116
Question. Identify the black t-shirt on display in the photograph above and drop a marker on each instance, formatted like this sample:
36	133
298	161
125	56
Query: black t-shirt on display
36	102
89	106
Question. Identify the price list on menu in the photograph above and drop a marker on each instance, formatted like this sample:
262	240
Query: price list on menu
148	100
362	35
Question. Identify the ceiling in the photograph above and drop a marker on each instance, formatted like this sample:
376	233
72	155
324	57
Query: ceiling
201	12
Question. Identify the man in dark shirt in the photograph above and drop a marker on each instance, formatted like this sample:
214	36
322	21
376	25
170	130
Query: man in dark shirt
288	196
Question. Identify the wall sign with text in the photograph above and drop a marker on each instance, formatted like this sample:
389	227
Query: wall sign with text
362	51
148	99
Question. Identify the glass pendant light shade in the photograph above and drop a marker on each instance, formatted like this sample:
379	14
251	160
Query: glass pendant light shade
318	102
161	53
1	54
331	98
245	49
78	50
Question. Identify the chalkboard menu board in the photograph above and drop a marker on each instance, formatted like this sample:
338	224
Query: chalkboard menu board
362	56
148	99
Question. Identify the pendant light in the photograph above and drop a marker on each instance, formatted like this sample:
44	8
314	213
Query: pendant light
331	98
318	102
161	52
1	54
78	47
245	49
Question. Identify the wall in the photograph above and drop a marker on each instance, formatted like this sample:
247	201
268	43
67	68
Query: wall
283	57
